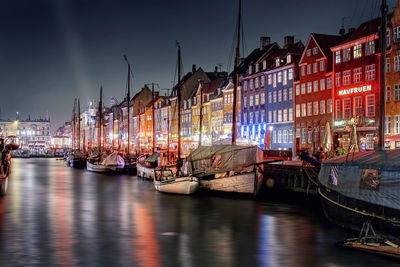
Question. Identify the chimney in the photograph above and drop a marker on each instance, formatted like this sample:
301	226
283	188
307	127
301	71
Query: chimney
216	69
341	31
288	41
264	41
193	68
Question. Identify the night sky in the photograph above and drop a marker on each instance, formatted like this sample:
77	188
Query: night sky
52	51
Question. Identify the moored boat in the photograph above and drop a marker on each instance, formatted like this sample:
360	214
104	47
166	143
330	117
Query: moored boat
167	182
6	146
146	166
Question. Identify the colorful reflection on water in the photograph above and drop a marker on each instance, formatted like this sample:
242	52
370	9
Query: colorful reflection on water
55	215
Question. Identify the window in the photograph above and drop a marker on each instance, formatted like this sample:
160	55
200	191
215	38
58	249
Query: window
388	64
250	68
251	117
387	93
309	87
329	106
338	114
298	133
280	136
251	84
316	86
257	117
303	135
245	85
321	65
262	81
346	54
303	88
290	93
280	115
371	105
357	51
329	83
396	63
262	115
284	94
290	114
274	137
269	79
269	97
396	34
290	137
357	75
369	48
387	124
274	96
309	69
337	57
396	92
397	124
303	110
322	84
257	82
309	137
346	77
303	70
280	96
277	62
285	136
308	52
288	58
270	116
315	50
370	72
346	108
251	101
262	98
285	115
322	107
357	106
297	89
315	107
257	100
337	76
298	114
290	74
274	81
279	77
284	77
309	109
275	120
315	67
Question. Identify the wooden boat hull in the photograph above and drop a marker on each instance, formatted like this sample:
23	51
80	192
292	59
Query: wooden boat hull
180	185
3	186
245	183
95	167
351	213
145	172
77	163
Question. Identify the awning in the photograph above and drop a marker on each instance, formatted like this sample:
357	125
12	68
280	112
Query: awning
394	138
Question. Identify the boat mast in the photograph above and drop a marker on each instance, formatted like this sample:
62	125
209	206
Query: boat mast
236	75
179	107
79	124
73	125
384	9
201	111
139	127
100	118
168	110
154	125
128	98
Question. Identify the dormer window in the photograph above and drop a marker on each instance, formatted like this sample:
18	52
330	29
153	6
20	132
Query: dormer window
189	103
256	67
288	58
250	69
184	104
195	100
277	62
264	64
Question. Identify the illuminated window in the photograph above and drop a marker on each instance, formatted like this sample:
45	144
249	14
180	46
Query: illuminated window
303	110
309	109
290	93
303	70
337	79
251	84
315	108
280	136
274	137
322	107
309	87
369	48
257	99
329	106
262	98
275	120
387	124
257	82
290	137
370	105
357	75
284	94
284	77
308	52
280	96
262	115
251	101
346	108
322	84
315	50
346	77
290	114
396	92
298	114
315	67
309	69
315	85
269	79
280	115
346	54
303	88
338	114
285	115
245	85
321	65
297	89
329	83
262	81
269	97
337	57
257	117
303	135
279	77
387	93
274	81
285	136
396	34
357	52
397	124
274	96
358	106
269	116
288	58
251	117
370	72
396	63
290	74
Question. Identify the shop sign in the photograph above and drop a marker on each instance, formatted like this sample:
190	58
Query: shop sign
355	90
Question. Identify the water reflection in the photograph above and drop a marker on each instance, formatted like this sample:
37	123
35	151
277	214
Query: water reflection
55	215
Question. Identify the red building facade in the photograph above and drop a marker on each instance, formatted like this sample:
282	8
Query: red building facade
313	91
356	83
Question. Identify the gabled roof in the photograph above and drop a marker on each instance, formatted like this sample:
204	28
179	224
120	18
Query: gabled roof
209	88
254	56
295	50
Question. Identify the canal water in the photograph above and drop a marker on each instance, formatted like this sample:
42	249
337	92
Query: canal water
57	216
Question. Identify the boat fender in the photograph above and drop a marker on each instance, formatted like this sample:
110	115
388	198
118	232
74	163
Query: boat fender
270	183
159	176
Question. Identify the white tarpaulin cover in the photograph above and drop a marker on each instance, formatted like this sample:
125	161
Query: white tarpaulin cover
114	160
223	158
372	176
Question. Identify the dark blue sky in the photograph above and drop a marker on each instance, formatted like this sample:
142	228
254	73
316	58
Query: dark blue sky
52	51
